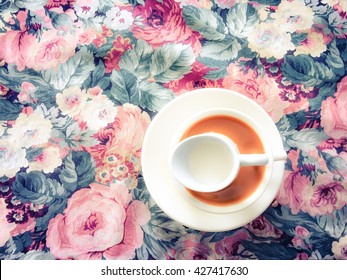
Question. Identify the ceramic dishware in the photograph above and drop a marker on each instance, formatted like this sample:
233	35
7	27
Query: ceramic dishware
169	127
209	162
241	132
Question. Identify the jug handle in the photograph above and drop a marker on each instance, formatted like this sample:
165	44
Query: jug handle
253	159
280	156
260	159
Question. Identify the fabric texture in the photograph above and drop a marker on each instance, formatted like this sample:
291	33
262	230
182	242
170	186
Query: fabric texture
80	82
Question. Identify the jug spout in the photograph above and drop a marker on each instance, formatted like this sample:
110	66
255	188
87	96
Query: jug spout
282	155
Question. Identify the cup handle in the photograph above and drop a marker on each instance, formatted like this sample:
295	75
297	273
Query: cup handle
280	156
253	159
259	159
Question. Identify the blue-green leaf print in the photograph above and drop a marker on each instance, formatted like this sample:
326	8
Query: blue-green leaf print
9	111
74	72
154	96
36	188
304	69
269	2
59	20
97	77
31	5
78	171
216	74
326	90
208	23
138	60
335	224
335	164
334	60
171	62
124	87
225	50
306	139
13	78
337	23
275	251
241	20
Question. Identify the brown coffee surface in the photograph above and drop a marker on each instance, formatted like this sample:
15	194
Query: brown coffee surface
248	142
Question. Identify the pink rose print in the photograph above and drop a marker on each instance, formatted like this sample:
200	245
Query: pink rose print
129	127
87	37
229	247
294	191
25	50
9	47
118	154
263	228
94	91
298	242
189	247
124	134
98	222
48	50
339	248
225	3
326	198
334	112
28	87
300	194
301	237
264	90
302	232
163	23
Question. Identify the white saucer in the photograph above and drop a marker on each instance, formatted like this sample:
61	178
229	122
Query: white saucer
155	164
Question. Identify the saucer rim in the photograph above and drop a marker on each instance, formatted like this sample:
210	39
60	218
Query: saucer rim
161	185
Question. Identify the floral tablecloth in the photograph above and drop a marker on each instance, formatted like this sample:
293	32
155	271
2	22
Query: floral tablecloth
80	81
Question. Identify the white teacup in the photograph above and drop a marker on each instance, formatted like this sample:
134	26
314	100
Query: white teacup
224	160
209	162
